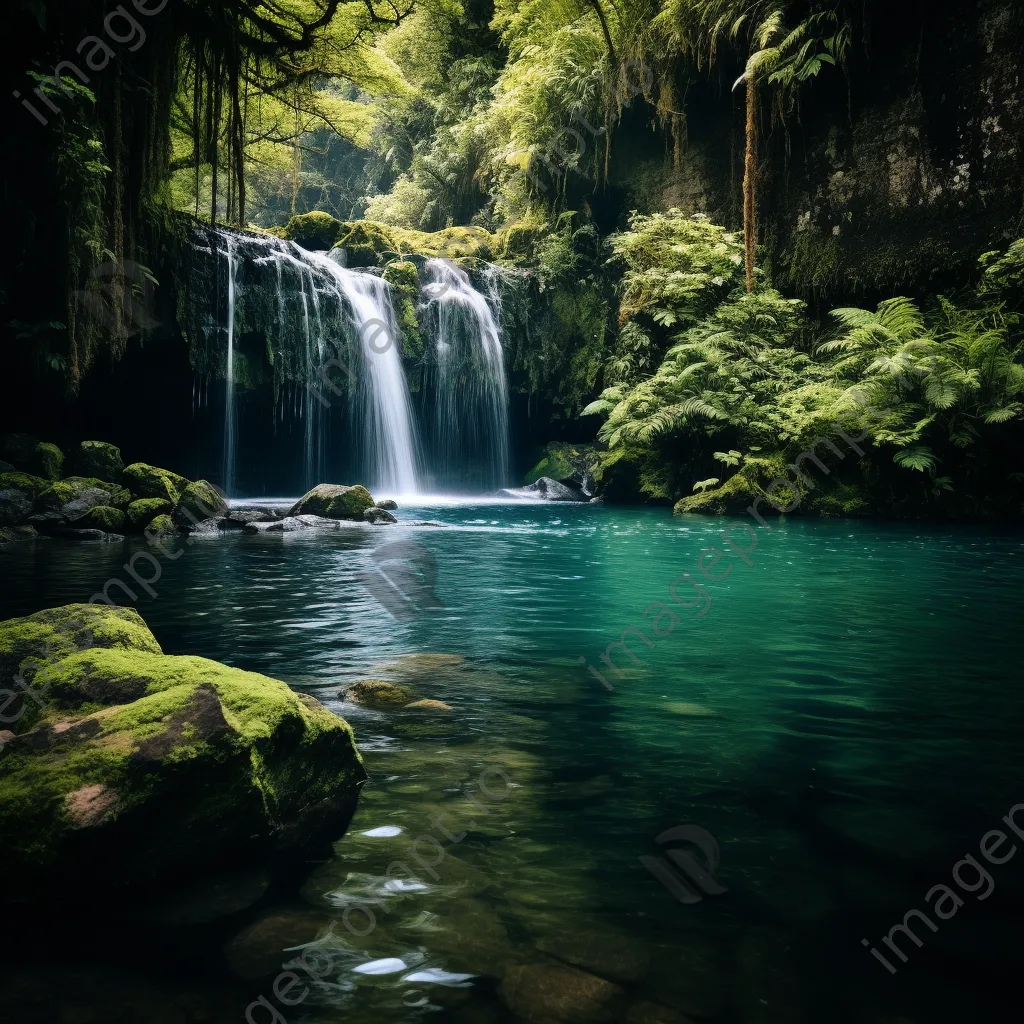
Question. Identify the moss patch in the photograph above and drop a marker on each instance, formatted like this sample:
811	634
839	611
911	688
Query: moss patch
146	481
334	501
313	231
377	693
102	517
99	459
26	482
199	501
144	511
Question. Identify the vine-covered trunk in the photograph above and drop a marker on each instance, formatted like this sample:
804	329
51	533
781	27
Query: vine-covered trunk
749	183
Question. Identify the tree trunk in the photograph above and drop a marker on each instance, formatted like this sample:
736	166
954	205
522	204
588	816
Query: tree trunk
749	183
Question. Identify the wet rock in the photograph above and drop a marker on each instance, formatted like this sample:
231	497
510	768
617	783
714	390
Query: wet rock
376	693
429	705
101	517
291	524
8	534
388	503
653	1013
72	533
180	764
200	500
251	515
543	992
143	511
335	501
145	481
161	526
65	501
14	506
378	515
99	459
544	489
27	453
599	950
259	950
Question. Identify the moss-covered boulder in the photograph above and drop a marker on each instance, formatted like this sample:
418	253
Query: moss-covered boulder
365	241
28	483
10	534
27	453
147	768
161	526
15	506
67	501
145	481
37	642
572	465
314	231
199	501
334	501
378	693
98	459
102	517
143	511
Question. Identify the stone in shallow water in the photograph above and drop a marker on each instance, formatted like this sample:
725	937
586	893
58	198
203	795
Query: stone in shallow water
652	1013
544	992
377	693
599	950
258	950
429	705
691	710
378	516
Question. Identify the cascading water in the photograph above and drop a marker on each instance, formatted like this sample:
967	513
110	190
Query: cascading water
297	314
384	423
469	411
230	421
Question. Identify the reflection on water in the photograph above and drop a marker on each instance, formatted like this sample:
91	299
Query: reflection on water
842	714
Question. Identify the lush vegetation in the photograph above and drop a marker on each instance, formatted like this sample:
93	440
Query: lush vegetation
626	163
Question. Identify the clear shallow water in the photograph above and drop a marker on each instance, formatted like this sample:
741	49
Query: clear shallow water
844	718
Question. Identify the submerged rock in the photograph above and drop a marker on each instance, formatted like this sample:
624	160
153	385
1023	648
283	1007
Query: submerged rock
429	705
147	481
376	693
600	950
378	515
97	458
291	524
547	992
146	767
334	501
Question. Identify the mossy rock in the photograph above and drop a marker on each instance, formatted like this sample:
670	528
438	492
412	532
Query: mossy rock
314	231
148	768
31	455
572	465
10	534
199	501
144	511
378	237
146	481
67	501
18	492
102	517
27	482
30	646
161	526
334	501
99	459
404	276
377	693
517	242
730	498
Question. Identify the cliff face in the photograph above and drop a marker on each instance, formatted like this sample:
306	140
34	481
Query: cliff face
894	178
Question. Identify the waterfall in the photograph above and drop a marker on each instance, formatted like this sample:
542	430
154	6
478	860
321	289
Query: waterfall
230	421
466	371
383	420
329	338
